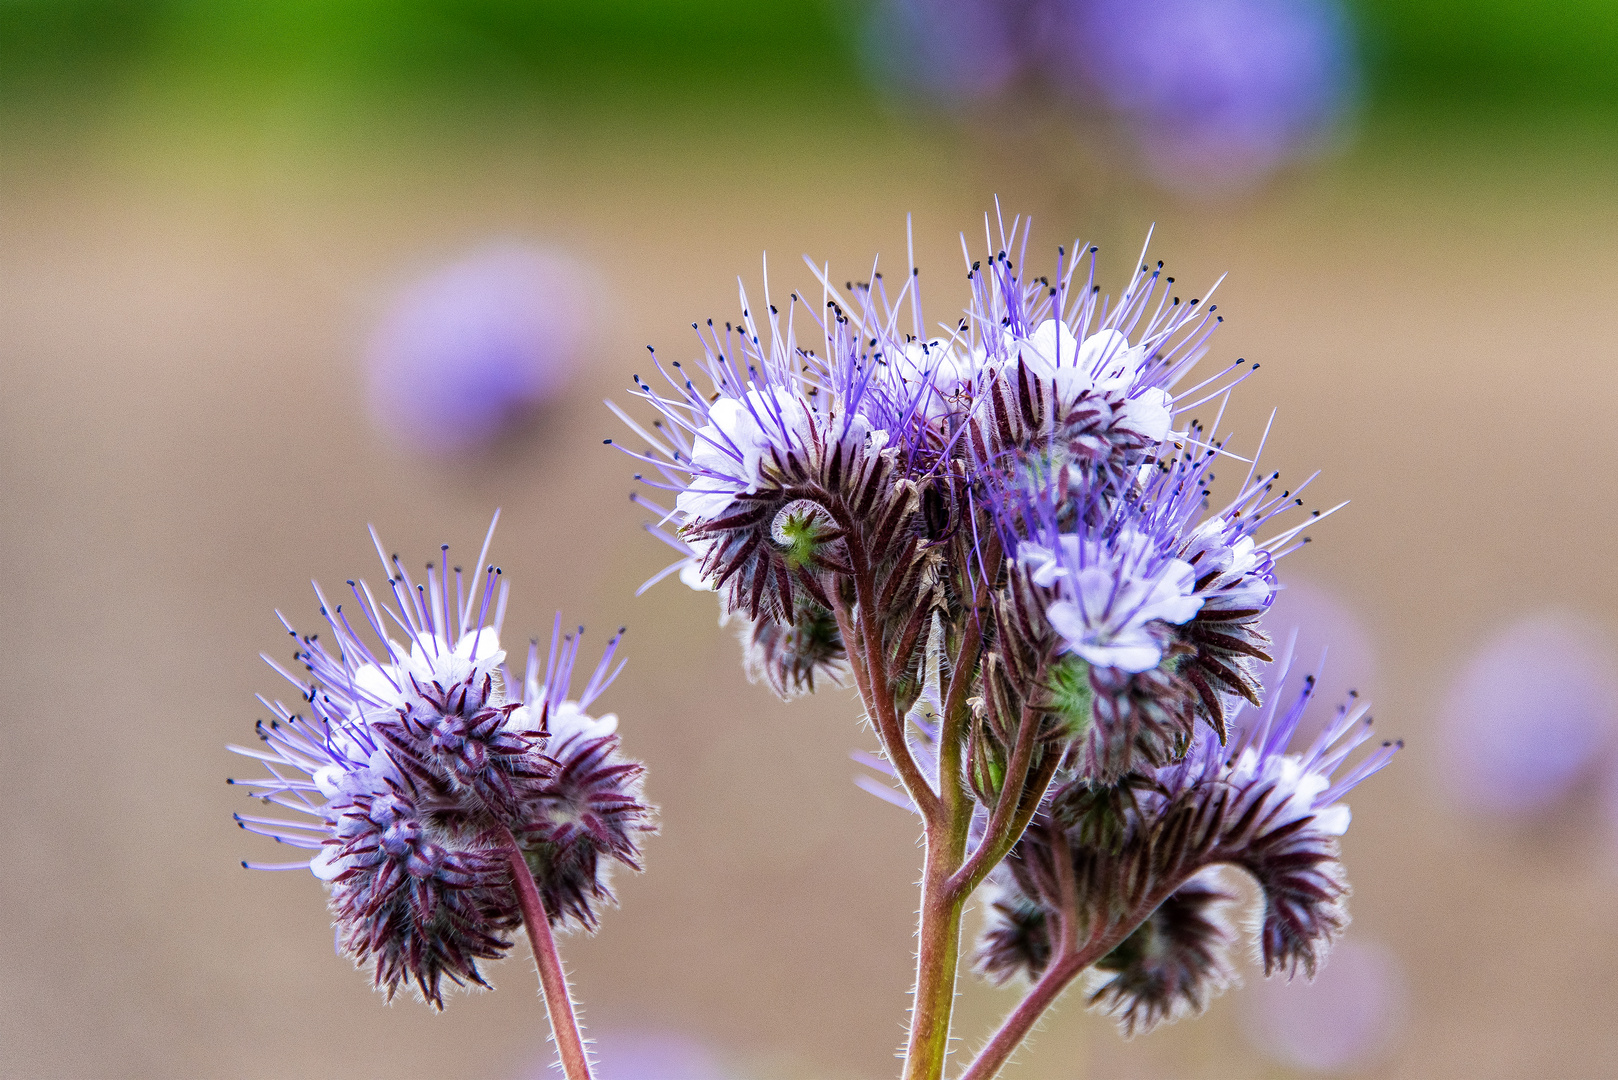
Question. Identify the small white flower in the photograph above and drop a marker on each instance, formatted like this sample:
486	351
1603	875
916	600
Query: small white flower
1111	362
1052	352
566	720
1104	363
728	452
1109	592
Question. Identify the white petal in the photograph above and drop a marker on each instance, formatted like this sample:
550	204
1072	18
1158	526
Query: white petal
1333	820
1070	382
327	863
487	643
1107	356
1178	611
1055	343
383	686
1097	588
328	779
691	576
706	504
1131	656
1148	414
524	718
1066	619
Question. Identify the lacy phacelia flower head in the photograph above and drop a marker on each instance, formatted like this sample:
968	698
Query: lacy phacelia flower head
1127	615
773	468
730	449
417	910
788	449
412	762
1253	805
1036	463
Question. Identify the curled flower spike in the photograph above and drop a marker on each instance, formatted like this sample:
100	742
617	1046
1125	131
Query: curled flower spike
416	761
1131	906
1171	966
790	658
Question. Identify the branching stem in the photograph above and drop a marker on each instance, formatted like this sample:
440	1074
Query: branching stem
1065	966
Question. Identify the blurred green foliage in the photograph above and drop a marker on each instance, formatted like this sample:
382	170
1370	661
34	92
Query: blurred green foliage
1476	53
1493	52
412	49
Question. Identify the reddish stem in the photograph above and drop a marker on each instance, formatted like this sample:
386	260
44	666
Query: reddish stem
1065	965
552	979
1062	969
889	725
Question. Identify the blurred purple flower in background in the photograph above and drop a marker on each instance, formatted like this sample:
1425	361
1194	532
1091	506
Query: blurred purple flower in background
949	52
1326	629
1348	1018
649	1055
465	354
1530	715
1215	93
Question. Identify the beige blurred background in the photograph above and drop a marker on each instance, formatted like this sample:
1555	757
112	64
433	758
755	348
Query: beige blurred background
184	446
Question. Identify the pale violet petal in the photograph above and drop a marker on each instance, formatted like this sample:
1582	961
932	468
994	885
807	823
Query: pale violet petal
1066	619
1178	610
328	779
383	686
1096	588
1148	415
1133	657
327	863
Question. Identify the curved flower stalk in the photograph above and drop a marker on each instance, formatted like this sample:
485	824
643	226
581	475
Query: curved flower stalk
1001	530
444	802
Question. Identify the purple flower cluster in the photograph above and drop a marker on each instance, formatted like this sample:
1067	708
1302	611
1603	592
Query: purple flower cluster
420	763
1003	533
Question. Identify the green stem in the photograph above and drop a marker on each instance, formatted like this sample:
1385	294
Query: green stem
938	956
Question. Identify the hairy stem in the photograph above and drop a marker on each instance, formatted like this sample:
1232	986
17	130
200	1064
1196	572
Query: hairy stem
1018	801
879	696
1063	968
552	979
938	956
1066	964
964	666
